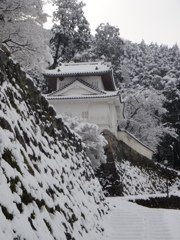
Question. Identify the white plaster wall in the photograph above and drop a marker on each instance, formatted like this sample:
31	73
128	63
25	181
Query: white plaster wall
76	91
135	144
77	88
100	113
70	107
120	110
113	118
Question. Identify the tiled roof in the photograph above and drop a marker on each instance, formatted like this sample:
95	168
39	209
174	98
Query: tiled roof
107	95
66	69
81	81
82	69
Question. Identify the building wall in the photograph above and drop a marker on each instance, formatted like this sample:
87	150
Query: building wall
70	107
113	116
134	144
101	113
76	91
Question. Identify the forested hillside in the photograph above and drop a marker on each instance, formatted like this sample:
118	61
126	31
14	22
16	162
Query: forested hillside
151	87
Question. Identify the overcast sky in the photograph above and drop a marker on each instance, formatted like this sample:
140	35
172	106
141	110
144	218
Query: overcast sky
151	20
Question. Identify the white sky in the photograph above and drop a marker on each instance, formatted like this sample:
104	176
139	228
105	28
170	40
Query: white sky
151	20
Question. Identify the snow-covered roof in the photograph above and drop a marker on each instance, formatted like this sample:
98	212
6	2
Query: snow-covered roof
79	69
81	81
106	95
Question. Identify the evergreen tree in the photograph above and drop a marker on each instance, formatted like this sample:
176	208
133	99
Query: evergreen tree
109	45
71	33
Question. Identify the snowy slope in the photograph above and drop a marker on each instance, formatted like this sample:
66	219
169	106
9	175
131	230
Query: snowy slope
149	178
47	185
128	173
130	221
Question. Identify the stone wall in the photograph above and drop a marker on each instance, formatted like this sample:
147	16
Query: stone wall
47	184
116	152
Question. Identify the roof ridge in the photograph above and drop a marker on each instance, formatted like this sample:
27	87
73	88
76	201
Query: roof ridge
85	96
80	63
77	73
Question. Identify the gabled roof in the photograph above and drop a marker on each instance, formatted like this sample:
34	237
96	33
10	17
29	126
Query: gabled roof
80	70
82	82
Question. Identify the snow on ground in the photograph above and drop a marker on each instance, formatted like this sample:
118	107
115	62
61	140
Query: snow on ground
131	221
144	180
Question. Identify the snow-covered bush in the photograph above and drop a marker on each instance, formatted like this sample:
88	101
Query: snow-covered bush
93	141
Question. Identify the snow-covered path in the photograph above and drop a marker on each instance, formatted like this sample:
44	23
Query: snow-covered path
129	221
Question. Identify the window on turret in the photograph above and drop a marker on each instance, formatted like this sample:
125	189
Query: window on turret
61	84
85	115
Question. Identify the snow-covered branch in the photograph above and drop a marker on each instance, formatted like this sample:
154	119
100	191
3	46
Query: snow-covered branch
22	31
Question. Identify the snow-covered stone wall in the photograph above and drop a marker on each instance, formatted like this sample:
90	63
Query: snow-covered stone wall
47	186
